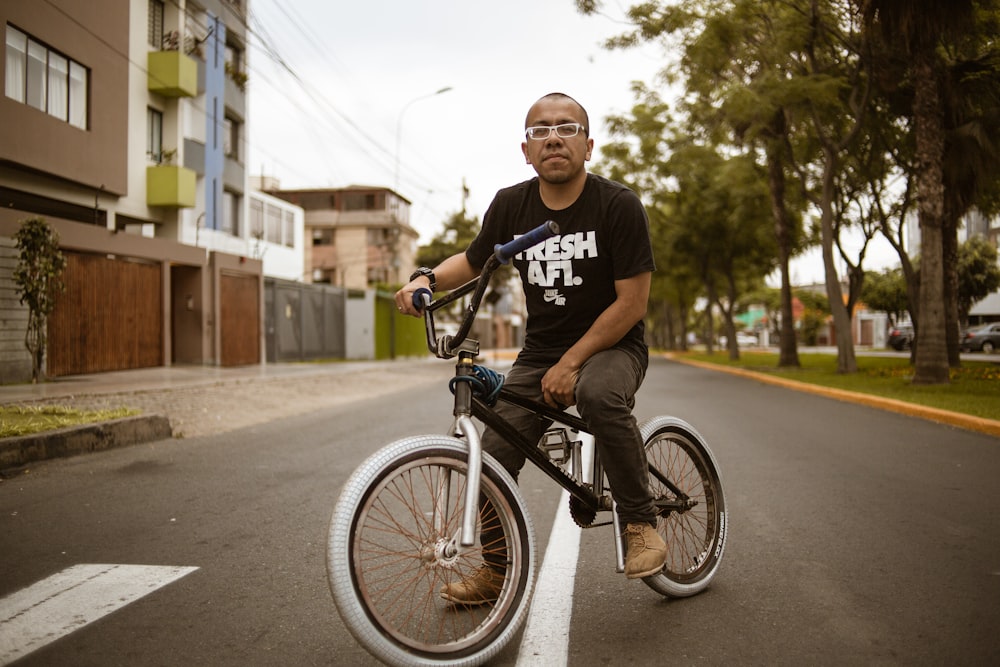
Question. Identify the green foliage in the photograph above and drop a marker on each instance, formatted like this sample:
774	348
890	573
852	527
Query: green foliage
886	292
816	311
458	232
978	273
38	277
839	102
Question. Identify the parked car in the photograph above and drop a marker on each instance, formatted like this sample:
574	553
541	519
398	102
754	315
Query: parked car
985	338
901	338
743	339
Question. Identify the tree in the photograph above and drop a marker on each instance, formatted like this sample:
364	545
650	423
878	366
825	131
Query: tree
978	274
635	157
815	313
38	276
915	30
886	292
733	92
459	231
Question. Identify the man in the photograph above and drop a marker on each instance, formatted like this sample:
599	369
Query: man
586	292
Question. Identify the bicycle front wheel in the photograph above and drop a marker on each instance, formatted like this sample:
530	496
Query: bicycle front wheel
695	527
394	543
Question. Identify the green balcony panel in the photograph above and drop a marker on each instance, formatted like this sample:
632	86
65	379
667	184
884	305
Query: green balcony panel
170	185
173	74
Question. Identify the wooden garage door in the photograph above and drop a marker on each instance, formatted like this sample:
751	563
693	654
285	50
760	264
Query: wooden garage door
108	319
240	327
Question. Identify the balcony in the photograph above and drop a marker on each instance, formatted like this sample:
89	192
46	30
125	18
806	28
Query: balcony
170	185
173	74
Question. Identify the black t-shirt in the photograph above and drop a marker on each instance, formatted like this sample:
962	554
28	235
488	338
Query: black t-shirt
569	280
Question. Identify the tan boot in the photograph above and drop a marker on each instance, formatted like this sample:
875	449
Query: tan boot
646	552
481	587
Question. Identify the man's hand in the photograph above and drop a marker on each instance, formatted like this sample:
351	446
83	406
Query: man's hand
404	297
559	385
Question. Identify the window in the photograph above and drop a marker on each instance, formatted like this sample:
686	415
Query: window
154	135
77	95
37	55
256	219
359	201
17	58
288	231
155	26
272	224
45	79
231	138
231	213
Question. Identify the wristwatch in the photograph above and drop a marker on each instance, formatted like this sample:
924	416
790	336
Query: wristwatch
424	271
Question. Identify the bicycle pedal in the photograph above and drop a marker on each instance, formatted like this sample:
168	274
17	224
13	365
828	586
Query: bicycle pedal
557	446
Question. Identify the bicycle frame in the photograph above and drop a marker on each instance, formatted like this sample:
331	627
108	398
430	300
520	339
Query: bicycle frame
467	405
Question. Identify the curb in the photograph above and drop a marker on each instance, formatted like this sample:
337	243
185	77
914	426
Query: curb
968	422
73	440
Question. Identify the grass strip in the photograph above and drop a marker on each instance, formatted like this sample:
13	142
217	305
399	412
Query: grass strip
974	389
18	420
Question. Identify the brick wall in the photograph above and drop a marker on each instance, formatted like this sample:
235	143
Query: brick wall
15	362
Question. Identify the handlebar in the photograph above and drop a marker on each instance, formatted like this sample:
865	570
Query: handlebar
505	252
446	346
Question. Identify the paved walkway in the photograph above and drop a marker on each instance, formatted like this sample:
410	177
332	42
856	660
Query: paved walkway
204	400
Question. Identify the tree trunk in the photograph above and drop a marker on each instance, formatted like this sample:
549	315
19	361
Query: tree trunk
846	361
788	354
710	317
949	258
931	354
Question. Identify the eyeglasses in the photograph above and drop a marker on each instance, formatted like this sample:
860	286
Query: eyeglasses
565	131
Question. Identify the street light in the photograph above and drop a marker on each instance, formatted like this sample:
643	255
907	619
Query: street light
399	127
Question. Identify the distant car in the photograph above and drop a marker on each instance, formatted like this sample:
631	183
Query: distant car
743	339
901	338
985	338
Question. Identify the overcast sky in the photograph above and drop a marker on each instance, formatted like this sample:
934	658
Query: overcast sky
369	71
352	101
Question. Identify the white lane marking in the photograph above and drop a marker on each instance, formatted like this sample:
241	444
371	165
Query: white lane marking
546	634
68	600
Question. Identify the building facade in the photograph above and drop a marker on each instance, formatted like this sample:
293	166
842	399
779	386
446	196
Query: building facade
356	237
123	124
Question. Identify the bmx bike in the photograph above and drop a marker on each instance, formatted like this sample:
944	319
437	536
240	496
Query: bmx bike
407	520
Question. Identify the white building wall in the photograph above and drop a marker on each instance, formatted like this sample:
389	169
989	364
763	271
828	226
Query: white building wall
280	260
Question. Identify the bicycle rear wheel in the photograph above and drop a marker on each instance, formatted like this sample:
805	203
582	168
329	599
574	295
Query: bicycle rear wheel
394	542
696	534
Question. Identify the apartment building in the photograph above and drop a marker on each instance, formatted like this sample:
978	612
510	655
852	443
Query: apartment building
356	237
123	124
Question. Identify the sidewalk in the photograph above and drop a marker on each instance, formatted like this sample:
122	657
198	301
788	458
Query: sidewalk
190	401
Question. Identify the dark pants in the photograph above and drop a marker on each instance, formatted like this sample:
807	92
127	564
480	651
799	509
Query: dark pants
605	396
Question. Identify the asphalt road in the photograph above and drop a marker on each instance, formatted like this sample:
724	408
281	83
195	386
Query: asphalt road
857	537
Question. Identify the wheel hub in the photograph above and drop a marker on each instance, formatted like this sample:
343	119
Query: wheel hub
442	552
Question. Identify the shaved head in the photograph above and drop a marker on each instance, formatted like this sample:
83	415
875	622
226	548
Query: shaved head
561	97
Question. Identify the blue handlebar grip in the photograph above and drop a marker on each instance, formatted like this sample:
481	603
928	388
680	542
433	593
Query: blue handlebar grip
422	297
546	230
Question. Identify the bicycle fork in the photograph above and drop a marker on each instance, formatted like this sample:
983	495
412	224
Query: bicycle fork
467	428
464	427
